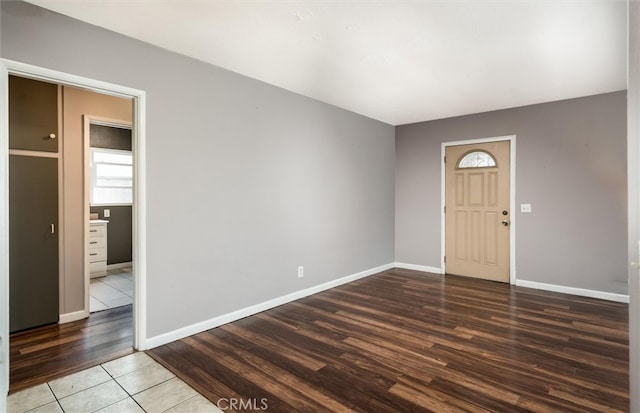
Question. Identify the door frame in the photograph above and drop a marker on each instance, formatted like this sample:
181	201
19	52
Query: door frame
512	197
139	208
87	121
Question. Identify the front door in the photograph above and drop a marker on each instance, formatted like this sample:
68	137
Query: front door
477	214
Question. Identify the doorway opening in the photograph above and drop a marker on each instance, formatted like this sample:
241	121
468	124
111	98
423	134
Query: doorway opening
77	315
108	189
478	201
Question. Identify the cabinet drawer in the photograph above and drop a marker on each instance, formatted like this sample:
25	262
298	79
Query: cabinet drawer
97	242
99	254
97	231
99	267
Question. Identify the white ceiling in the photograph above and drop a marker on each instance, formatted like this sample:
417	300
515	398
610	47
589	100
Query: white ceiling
395	61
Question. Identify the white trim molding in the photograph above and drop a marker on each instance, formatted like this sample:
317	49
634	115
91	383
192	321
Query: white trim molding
38	154
119	265
139	209
423	268
621	298
258	308
75	316
87	121
512	198
4	237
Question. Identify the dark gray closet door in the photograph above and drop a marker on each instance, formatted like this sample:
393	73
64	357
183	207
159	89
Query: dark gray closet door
33	115
33	242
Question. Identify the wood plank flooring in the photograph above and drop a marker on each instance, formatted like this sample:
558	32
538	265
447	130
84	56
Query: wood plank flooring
46	353
405	341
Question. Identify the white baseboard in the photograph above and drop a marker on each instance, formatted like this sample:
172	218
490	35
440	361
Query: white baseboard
257	308
621	298
75	316
423	268
119	265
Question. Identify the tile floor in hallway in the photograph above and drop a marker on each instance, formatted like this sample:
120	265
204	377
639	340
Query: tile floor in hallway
113	290
135	383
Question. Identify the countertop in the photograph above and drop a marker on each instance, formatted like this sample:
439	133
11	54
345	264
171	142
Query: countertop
98	221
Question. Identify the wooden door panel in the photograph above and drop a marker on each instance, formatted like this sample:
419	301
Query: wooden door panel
460	241
459	189
475	188
33	248
474	236
492	190
491	225
476	242
33	114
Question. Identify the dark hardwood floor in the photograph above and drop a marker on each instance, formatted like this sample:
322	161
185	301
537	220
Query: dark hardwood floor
46	353
404	341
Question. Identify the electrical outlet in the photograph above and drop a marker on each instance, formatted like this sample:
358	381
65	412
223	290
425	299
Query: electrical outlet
526	208
107	213
300	272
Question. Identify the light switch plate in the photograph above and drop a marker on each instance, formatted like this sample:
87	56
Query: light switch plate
526	208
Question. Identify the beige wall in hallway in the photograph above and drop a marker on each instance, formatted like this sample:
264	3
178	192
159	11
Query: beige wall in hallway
76	103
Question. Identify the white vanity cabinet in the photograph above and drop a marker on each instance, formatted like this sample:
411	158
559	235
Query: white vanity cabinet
97	248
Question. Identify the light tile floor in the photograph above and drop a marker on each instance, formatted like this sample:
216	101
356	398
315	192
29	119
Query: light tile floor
111	291
135	383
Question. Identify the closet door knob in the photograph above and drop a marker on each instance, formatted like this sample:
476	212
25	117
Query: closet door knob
52	136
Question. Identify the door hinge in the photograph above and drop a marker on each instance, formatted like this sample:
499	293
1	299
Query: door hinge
445	259
445	159
445	209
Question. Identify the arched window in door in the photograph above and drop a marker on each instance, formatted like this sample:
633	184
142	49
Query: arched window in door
477	159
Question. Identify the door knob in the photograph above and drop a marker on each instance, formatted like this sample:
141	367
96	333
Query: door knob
52	136
505	223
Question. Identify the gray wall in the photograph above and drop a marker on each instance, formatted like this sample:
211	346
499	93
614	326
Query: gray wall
245	181
634	200
110	137
119	232
571	166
